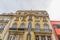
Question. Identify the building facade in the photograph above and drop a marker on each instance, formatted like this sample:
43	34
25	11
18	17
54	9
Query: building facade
56	29
26	25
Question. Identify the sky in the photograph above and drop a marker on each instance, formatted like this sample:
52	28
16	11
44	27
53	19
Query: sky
51	6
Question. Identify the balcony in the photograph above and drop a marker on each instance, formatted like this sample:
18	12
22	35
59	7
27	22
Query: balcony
4	20
34	30
43	30
21	29
12	28
16	30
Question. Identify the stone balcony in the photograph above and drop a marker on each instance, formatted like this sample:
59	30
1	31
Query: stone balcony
43	30
4	21
33	29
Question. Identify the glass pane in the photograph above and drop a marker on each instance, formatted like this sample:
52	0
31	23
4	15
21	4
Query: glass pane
5	19
57	26
14	25
37	27
46	26
1	27
29	26
22	25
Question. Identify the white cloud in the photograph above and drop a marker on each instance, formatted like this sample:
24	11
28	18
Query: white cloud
13	5
54	10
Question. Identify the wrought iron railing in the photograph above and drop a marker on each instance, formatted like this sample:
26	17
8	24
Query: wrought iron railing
43	30
33	29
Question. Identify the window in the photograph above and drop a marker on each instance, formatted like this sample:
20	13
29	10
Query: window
57	26
1	27
14	25
48	37
30	18
29	26
46	27
37	27
28	36
5	19
43	38
22	25
37	37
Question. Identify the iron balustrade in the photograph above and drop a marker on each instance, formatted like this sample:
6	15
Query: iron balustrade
33	29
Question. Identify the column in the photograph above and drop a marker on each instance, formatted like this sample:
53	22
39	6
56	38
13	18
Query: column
46	37
39	37
12	37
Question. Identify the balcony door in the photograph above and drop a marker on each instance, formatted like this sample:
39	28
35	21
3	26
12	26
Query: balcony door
29	26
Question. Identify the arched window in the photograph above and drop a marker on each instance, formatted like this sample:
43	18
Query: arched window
1	27
29	26
30	18
14	25
46	26
28	36
37	27
22	25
